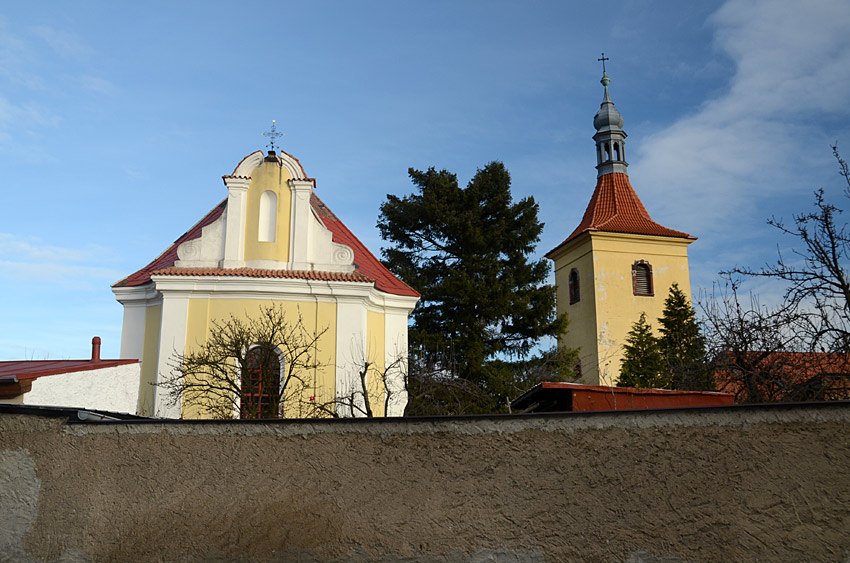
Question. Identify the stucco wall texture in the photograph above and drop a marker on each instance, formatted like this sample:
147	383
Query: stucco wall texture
711	484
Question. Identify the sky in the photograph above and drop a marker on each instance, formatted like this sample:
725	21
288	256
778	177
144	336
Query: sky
118	119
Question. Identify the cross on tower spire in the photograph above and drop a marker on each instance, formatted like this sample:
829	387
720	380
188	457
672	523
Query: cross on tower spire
603	59
272	134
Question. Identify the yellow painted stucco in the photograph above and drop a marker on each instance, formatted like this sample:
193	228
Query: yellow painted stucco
376	354
268	177
316	317
608	307
150	356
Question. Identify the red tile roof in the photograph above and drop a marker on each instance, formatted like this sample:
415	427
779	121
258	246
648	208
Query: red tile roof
31	369
364	260
167	258
616	208
261	273
368	268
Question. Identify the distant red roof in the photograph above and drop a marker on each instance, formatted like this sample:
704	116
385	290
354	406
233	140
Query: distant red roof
551	396
616	208
368	268
31	369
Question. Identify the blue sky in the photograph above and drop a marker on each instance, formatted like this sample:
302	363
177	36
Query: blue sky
117	121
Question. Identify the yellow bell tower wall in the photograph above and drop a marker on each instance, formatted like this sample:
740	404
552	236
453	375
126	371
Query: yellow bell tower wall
608	306
582	314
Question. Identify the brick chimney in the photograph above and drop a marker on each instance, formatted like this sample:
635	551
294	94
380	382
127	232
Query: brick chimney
95	349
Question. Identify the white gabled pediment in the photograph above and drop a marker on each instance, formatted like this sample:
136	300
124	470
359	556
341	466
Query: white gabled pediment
206	251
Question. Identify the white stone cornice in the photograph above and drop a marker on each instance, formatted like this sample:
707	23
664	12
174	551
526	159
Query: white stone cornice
138	296
235	287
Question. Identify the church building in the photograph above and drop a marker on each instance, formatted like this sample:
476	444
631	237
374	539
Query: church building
271	241
618	262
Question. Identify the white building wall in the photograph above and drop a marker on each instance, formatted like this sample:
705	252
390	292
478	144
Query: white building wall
113	389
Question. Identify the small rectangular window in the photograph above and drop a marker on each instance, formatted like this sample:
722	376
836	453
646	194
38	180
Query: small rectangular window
642	278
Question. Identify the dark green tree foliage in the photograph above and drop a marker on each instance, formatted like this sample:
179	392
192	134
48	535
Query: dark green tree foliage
682	344
467	251
643	365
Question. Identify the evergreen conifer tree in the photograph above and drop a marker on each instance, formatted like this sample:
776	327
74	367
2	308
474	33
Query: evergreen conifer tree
643	364
484	300
682	344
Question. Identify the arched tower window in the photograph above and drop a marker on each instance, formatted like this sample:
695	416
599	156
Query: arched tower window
268	217
642	278
607	152
260	383
574	287
617	151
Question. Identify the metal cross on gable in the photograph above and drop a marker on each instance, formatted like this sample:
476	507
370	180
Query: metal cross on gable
272	134
603	59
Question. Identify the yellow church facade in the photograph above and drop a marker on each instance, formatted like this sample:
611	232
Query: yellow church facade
618	262
271	242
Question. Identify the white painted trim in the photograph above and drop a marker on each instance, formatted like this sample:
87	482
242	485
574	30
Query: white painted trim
248	164
296	171
395	346
136	301
299	227
234	233
172	341
133	332
351	349
235	287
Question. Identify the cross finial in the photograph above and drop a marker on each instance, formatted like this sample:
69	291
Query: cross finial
603	59
272	134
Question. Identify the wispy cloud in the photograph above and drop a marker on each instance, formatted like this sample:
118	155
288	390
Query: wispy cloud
61	42
97	85
723	166
26	259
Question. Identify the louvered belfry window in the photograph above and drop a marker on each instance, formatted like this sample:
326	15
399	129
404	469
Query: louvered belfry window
642	278
575	296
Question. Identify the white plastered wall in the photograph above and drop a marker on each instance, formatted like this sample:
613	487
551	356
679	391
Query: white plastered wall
113	388
350	346
395	339
172	342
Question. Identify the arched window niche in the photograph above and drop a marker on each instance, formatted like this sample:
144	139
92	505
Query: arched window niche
642	279
260	383
268	217
575	294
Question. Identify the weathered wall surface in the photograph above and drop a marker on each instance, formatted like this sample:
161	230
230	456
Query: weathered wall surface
723	484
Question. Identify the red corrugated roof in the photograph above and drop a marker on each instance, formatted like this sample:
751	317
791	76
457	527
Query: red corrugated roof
616	208
31	369
368	267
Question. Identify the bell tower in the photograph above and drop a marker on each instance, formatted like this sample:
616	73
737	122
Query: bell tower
618	262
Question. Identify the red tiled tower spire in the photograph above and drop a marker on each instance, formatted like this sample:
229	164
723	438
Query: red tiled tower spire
614	206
